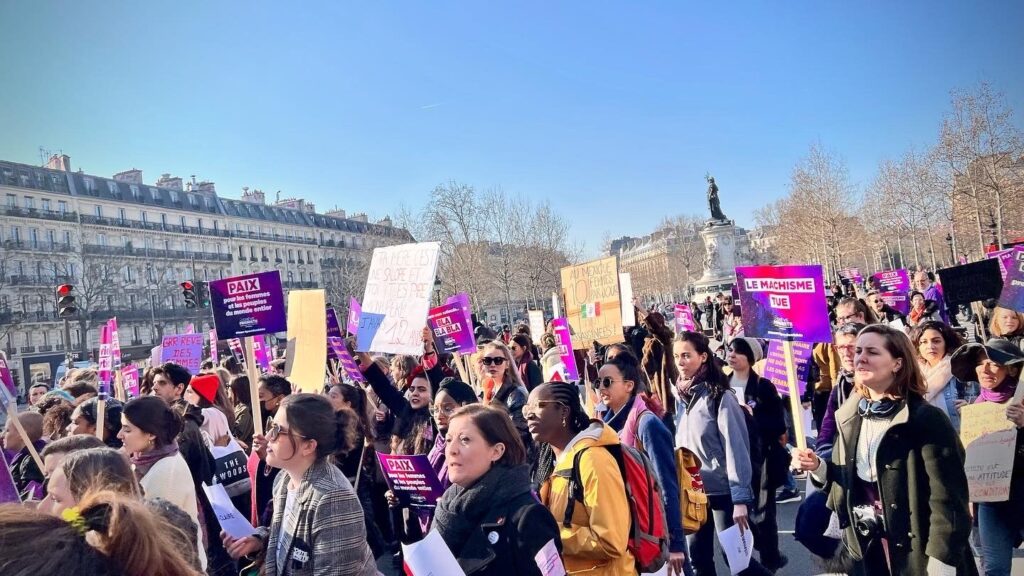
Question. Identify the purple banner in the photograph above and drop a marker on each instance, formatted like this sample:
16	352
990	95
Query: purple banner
411	478
775	365
213	347
104	361
5	377
333	331
560	327
891	281
348	363
355	311
451	328
784	302
259	350
1012	296
684	318
248	305
897	300
130	380
183	349
8	490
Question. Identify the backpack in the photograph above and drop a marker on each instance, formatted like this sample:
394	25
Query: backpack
648	530
757	456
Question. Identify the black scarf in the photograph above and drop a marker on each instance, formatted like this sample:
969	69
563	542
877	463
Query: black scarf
461	510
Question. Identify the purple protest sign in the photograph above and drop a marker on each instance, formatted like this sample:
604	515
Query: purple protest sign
333	331
684	318
899	301
183	349
1007	258
775	365
355	311
248	305
1012	296
130	379
784	302
411	478
5	377
560	327
213	347
115	345
891	281
451	329
104	361
852	274
259	350
348	363
8	489
190	328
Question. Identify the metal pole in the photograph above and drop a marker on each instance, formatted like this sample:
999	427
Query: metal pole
67	344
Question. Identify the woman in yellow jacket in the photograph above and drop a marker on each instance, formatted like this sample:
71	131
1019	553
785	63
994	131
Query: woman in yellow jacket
595	542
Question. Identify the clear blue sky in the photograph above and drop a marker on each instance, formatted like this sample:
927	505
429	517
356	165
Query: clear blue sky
612	110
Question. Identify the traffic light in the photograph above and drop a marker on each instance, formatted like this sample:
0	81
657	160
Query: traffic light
203	294
66	301
188	290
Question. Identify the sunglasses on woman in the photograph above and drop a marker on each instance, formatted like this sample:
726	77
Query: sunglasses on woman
496	360
274	431
605	382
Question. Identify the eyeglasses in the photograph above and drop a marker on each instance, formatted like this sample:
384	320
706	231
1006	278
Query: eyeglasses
274	431
605	382
534	407
446	410
496	360
845	319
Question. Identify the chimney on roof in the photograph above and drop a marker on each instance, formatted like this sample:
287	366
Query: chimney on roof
59	162
133	176
335	212
254	196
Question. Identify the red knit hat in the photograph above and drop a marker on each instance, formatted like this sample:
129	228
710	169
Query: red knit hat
206	385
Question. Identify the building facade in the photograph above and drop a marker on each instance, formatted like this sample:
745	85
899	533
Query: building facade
126	245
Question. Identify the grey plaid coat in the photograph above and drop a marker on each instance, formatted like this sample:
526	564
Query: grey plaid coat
329	537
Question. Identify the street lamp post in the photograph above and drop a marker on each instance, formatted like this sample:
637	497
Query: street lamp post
952	255
437	291
992	229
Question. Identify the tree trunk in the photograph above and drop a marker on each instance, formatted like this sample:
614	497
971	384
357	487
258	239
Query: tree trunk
977	219
899	248
931	249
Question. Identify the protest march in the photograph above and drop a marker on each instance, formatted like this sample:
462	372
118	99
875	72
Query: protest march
511	289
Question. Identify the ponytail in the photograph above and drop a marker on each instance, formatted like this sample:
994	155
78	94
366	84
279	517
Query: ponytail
313	417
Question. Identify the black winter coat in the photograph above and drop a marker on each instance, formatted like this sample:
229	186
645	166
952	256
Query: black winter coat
519	528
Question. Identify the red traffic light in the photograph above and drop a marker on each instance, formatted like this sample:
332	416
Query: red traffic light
64	290
186	285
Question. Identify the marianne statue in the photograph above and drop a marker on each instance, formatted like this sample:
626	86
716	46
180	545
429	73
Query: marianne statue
713	204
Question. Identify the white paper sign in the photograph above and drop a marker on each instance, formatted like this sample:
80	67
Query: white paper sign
626	299
549	561
536	325
737	547
398	291
431	557
231	520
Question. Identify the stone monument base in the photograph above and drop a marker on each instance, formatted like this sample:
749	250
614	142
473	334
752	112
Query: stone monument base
719	260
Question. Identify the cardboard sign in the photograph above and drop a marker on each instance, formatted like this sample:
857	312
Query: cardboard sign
398	290
775	365
971	282
183	349
536	325
592	303
307	334
784	303
990	441
891	281
248	305
684	318
411	478
451	328
348	363
626	299
560	327
1012	295
130	380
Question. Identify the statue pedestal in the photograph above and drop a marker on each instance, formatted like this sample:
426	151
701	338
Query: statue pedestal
719	260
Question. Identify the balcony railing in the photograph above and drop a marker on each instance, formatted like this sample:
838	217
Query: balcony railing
47	348
57	215
155	253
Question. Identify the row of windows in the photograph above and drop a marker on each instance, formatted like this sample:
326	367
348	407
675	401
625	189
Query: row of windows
49	239
29	203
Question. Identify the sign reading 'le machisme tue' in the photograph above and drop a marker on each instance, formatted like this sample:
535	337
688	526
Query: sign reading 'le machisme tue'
592	302
784	303
248	305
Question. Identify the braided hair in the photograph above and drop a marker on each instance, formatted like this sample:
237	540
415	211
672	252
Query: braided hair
568	395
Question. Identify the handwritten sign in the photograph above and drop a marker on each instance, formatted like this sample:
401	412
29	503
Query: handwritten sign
784	303
248	305
592	303
536	325
183	349
411	478
626	299
398	290
990	440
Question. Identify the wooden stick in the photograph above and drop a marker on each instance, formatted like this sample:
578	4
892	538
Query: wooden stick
794	395
119	392
459	359
101	415
254	385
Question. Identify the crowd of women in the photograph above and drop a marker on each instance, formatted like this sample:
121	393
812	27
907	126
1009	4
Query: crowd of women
528	462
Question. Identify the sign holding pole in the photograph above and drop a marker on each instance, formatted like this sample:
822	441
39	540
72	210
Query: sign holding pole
10	404
785	303
254	384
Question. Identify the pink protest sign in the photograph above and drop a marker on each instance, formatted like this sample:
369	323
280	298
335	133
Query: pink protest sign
451	328
213	347
784	303
354	312
130	379
190	328
183	349
891	281
560	326
105	360
259	350
5	378
345	359
684	318
411	478
115	345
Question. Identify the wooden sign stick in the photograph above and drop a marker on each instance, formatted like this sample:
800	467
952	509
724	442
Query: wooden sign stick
794	395
254	384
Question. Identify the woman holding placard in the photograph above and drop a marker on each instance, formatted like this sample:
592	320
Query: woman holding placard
489	517
997	366
896	479
318	524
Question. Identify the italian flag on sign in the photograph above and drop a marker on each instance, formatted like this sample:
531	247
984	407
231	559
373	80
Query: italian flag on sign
591	310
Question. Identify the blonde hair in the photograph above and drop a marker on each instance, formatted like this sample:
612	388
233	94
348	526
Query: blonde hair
993	323
511	373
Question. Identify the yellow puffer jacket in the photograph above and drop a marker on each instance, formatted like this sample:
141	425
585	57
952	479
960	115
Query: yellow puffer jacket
595	544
